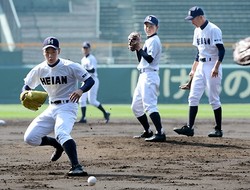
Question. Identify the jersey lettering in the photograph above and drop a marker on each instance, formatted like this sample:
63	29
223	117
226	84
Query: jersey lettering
203	41
83	76
54	80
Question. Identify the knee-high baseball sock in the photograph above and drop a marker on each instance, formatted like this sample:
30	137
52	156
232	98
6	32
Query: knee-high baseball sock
156	119
102	109
50	141
83	109
70	149
192	115
144	122
217	115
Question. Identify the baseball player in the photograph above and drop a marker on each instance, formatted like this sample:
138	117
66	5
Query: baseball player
206	70
146	91
89	63
59	78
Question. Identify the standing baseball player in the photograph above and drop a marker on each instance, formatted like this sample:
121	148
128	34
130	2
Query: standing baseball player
59	78
89	63
206	70
146	91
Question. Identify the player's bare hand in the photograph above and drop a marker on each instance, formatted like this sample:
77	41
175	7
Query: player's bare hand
215	72
75	96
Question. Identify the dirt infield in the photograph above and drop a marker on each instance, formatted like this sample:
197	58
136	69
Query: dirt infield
120	162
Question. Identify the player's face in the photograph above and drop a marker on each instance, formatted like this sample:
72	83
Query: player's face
150	29
51	55
197	21
85	50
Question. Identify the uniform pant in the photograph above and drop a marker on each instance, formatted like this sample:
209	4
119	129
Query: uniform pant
146	94
202	80
59	118
91	95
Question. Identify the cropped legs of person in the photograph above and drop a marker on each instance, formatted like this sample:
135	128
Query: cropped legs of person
214	101
200	82
60	121
145	101
91	96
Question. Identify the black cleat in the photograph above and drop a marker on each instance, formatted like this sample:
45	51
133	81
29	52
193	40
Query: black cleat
77	171
156	138
56	154
107	116
216	133
145	134
185	130
82	120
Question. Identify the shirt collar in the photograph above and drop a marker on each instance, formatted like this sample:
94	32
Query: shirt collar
53	65
204	24
151	35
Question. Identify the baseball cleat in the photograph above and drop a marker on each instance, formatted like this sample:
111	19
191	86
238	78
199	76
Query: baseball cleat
82	121
144	134
156	138
77	171
216	133
185	130
57	154
106	116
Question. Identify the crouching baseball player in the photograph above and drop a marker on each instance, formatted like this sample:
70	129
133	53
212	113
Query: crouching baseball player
59	78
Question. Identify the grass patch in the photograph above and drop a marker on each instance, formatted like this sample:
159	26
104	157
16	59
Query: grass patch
17	111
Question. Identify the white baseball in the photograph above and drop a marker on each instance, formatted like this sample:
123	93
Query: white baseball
92	180
2	122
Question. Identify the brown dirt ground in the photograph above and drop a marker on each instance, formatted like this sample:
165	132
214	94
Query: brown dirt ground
120	162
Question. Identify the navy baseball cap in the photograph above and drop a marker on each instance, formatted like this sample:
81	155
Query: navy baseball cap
51	42
151	19
194	12
86	45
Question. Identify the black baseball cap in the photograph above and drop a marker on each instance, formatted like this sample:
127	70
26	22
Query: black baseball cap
151	19
194	12
86	45
51	42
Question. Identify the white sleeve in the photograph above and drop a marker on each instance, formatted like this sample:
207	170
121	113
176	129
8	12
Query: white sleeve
194	38
80	73
32	79
216	36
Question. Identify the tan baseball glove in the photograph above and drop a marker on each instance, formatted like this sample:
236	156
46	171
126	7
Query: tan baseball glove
134	40
241	53
33	99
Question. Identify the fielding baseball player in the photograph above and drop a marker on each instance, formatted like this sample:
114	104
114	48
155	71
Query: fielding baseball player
206	71
146	91
89	63
59	78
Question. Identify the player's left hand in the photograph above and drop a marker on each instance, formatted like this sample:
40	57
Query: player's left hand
33	99
75	96
134	40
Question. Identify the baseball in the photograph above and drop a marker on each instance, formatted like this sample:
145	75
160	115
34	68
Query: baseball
91	180
2	122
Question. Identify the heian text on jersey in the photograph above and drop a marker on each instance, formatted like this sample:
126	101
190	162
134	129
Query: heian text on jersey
54	80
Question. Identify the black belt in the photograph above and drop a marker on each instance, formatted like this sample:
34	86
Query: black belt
205	59
60	101
145	70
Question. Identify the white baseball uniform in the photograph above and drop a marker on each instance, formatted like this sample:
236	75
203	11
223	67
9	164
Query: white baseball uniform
59	82
146	92
89	62
205	40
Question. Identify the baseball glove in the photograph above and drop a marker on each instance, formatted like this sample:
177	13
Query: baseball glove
186	86
241	53
33	99
134	40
